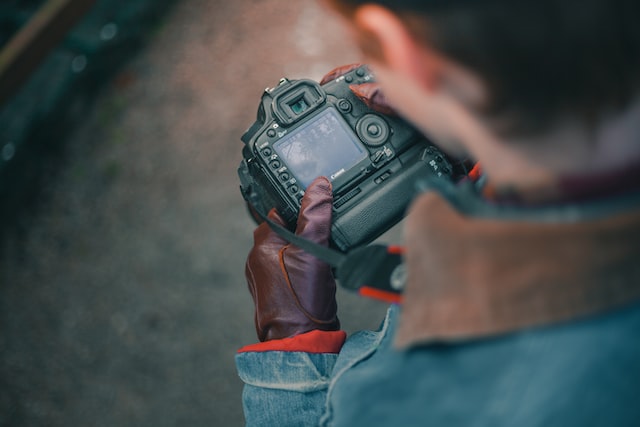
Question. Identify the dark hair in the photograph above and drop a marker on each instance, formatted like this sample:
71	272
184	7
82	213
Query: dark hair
539	58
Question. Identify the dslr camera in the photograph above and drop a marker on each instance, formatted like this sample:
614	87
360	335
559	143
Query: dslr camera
305	130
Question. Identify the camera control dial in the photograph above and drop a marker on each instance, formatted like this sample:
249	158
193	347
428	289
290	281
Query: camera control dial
372	130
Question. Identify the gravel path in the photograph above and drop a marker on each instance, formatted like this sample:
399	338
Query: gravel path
123	302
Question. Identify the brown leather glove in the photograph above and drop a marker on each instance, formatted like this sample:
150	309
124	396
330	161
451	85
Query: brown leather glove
294	292
370	93
373	96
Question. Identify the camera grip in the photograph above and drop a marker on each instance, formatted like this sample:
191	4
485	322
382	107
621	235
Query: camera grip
384	208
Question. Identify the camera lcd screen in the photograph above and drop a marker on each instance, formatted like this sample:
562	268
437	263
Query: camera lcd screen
324	146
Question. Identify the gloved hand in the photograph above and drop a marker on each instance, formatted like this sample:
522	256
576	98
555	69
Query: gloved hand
373	96
370	93
294	292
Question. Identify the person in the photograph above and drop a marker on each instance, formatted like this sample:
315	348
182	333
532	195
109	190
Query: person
522	303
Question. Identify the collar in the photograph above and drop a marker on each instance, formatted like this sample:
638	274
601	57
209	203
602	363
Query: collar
479	269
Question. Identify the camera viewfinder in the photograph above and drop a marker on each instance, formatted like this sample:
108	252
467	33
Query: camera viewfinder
299	106
299	99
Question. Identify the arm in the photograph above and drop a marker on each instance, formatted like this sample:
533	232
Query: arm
286	375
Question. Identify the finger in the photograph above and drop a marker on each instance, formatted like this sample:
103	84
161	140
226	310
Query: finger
372	95
274	216
264	235
337	72
314	220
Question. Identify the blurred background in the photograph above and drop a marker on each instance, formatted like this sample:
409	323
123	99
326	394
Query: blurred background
123	233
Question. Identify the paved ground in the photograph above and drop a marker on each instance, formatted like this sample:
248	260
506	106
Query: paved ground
123	300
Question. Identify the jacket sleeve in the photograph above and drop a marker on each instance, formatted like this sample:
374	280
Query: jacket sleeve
286	380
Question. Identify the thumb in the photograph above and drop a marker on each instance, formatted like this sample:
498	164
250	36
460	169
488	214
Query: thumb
373	96
314	220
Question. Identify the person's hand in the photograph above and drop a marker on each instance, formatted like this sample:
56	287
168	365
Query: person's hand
373	96
370	93
293	291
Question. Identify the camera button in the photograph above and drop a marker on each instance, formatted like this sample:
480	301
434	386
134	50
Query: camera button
266	152
382	177
374	130
293	189
271	133
284	176
377	156
344	105
360	72
275	164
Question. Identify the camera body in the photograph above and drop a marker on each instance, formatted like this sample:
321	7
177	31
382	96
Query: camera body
305	130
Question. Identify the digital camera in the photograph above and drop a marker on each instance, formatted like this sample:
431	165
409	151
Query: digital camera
305	130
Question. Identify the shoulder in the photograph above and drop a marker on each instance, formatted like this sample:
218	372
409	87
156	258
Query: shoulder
577	373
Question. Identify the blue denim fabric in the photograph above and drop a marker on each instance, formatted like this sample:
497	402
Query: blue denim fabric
284	388
290	388
582	373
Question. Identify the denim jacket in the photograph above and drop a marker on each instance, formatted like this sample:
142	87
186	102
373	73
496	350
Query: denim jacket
585	373
582	371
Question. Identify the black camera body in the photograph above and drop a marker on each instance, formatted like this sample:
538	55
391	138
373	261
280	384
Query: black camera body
305	130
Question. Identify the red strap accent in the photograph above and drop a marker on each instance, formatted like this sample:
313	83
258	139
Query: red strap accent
395	250
475	173
315	341
379	294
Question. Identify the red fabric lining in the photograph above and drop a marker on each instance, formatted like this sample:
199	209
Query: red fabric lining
315	341
380	295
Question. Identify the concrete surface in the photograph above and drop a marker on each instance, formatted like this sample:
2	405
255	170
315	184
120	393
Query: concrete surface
122	294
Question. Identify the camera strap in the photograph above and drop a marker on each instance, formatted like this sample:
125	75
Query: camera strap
374	271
